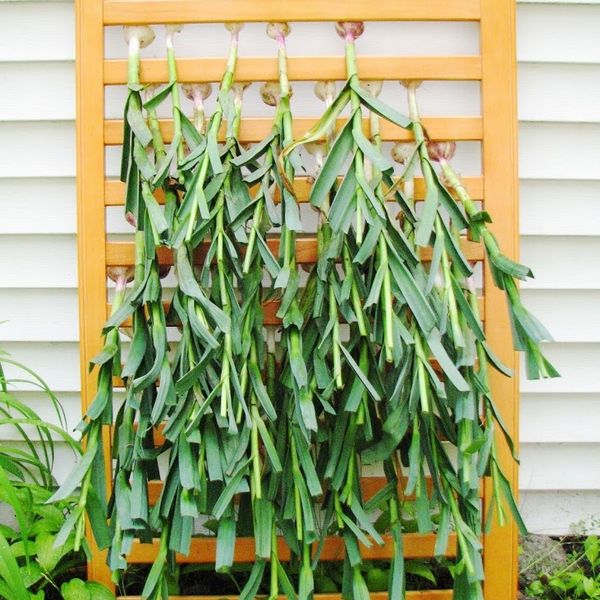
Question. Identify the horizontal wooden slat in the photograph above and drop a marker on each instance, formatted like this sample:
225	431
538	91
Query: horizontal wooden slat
420	595
270	309
114	190
256	129
131	12
120	254
369	486
203	550
302	68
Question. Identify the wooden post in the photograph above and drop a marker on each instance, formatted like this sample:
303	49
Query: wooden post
501	200
91	215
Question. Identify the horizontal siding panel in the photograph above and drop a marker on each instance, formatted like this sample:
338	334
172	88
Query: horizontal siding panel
37	31
560	208
560	466
39	402
556	512
546	150
44	149
37	91
550	418
29	261
47	206
569	315
56	363
44	206
36	315
578	366
559	151
64	459
559	92
562	262
555	33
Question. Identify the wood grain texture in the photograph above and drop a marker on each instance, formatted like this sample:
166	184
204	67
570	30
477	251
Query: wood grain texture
114	190
498	47
195	70
369	486
91	219
131	12
256	129
203	549
422	595
270	308
120	254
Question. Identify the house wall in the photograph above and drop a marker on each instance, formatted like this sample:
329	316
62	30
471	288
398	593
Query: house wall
559	126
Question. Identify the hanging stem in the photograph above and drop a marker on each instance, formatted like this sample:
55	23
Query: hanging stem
215	125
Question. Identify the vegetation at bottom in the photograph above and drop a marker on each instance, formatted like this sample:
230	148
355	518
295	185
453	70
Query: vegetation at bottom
36	563
578	578
328	576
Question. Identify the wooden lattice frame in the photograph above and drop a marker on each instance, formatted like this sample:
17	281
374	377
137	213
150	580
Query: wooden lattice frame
496	128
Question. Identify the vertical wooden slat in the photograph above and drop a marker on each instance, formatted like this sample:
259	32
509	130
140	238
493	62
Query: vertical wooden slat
501	196
90	215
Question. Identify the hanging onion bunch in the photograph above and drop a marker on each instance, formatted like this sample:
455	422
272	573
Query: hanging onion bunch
380	357
146	371
299	486
377	263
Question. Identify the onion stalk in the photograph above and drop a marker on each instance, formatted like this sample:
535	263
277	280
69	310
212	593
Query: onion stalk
382	356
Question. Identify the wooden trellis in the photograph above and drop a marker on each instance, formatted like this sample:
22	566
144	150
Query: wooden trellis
494	68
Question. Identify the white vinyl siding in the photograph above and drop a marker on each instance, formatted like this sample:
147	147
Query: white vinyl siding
559	111
559	160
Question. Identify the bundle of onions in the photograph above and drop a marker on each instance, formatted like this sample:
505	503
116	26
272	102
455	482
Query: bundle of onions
381	356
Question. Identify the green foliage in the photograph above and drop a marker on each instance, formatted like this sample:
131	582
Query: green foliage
32	557
76	589
580	579
380	355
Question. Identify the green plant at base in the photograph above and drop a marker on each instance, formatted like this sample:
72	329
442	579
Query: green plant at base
34	555
76	589
577	580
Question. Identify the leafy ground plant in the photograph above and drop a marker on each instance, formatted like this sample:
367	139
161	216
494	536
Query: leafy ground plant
579	579
35	558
